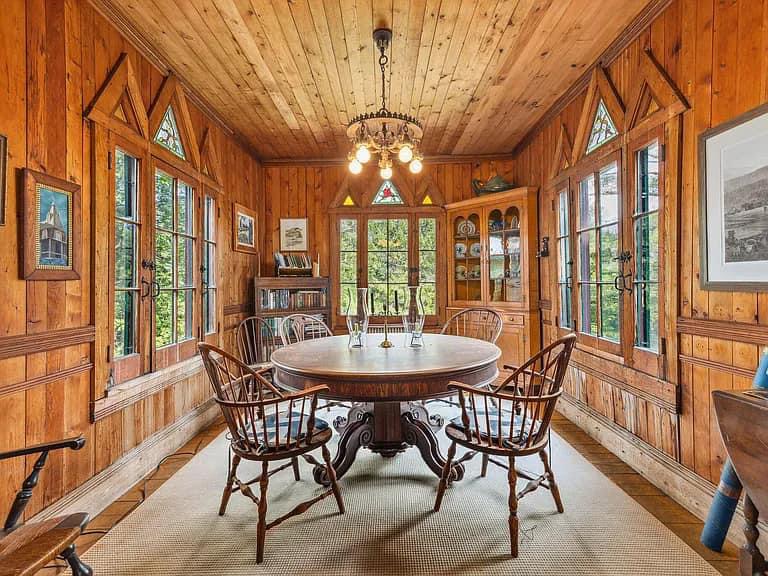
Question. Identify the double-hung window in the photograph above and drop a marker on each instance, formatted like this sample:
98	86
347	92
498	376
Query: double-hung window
564	259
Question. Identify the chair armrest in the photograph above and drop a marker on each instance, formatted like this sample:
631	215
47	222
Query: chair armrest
510	367
72	443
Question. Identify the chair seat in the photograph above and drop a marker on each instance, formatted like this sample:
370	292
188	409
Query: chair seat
495	424
31	546
297	419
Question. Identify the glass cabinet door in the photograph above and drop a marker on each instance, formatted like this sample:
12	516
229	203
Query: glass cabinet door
467	252
504	255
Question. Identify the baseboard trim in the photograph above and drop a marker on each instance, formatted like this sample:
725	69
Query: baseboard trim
685	487
97	493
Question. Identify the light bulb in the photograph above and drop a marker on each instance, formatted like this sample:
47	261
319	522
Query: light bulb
386	173
415	166
362	154
405	154
355	167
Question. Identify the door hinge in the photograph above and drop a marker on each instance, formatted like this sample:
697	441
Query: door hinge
663	347
109	353
663	152
109	160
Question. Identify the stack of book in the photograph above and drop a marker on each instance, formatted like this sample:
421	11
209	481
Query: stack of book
285	299
296	264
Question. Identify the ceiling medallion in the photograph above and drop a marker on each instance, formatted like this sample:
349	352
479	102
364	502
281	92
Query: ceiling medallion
385	133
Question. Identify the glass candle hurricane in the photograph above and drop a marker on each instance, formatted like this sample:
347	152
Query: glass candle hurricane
413	317
357	316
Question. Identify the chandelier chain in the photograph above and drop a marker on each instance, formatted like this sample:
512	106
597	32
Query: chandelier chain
383	59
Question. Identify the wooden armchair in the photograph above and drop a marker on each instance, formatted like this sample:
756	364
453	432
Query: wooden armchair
480	323
266	425
512	421
256	341
27	548
300	327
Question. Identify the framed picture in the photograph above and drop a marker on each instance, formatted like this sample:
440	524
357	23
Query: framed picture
244	229
3	177
293	235
733	187
51	228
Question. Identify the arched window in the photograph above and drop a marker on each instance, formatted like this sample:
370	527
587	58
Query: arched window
385	237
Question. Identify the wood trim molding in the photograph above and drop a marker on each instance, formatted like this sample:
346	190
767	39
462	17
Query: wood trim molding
712	365
435	159
736	331
655	85
101	490
563	158
124	395
46	379
644	19
23	344
241	308
545	304
684	486
600	89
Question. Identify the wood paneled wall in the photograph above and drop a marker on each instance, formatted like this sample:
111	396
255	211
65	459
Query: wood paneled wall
54	56
716	52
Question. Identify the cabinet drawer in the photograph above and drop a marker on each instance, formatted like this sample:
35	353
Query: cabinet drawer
515	319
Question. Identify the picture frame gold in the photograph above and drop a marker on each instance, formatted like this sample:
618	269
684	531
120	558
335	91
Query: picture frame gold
51	227
245	237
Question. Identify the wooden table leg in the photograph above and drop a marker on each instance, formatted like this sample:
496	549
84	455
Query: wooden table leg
418	433
356	434
751	560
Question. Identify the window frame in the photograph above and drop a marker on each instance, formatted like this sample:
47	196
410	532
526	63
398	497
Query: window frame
208	192
645	359
560	186
378	212
600	158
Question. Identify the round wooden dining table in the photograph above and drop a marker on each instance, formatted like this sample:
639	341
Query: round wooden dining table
386	387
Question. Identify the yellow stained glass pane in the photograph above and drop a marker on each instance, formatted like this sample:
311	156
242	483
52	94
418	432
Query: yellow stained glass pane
348	201
427	200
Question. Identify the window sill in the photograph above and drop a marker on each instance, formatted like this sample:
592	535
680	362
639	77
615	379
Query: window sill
127	393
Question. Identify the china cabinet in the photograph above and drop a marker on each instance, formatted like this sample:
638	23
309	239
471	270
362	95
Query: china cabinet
492	262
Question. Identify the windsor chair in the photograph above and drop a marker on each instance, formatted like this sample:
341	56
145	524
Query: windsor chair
266	425
511	421
300	327
256	341
480	323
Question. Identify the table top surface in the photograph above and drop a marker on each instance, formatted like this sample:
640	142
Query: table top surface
440	354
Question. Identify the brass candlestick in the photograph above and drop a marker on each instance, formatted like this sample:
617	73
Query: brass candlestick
386	343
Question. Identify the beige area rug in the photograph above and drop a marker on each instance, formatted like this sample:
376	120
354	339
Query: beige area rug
389	527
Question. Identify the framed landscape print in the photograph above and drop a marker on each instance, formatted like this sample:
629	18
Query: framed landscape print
733	183
3	177
293	235
244	229
51	228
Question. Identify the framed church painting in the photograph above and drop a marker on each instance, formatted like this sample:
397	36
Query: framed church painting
51	228
733	188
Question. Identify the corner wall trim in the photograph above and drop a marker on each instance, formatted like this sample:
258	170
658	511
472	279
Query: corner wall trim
100	491
23	344
687	488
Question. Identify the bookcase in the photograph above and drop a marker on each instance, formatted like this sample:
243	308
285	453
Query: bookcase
276	298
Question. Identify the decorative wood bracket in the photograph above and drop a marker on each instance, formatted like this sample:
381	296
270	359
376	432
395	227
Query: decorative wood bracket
563	154
172	94
210	166
427	187
118	105
600	88
655	99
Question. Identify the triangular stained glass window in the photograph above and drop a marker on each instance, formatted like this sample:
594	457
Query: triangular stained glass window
168	134
427	200
603	128
387	194
348	201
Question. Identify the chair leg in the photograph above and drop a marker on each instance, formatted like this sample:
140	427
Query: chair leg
551	479
444	477
230	482
296	473
514	523
262	527
332	479
78	567
484	468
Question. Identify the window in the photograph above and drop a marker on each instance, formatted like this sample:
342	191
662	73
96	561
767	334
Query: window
428	263
598	241
168	134
347	265
646	240
603	128
387	262
564	261
208	267
387	194
126	254
174	260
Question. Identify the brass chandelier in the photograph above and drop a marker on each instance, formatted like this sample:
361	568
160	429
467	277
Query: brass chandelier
388	134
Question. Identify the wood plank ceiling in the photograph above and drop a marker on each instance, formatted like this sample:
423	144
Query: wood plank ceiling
289	74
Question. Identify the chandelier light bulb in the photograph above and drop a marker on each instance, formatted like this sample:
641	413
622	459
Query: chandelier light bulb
405	154
355	166
362	154
386	173
415	166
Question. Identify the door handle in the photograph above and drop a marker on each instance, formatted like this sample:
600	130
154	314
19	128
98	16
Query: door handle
148	285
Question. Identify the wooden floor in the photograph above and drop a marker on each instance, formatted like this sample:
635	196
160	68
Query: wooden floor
672	515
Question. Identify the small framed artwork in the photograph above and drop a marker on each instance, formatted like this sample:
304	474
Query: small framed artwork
293	235
243	229
733	188
51	228
3	177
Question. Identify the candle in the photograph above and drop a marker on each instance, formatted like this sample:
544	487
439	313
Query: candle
397	304
373	308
